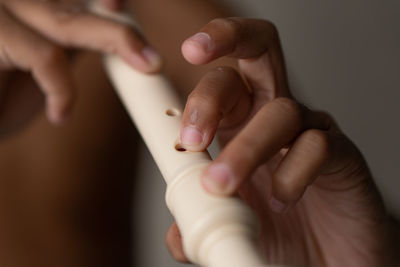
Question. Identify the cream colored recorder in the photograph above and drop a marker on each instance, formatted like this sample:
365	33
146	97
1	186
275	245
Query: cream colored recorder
216	231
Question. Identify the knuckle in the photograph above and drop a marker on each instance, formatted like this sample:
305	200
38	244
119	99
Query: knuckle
272	28
67	14
121	35
234	25
290	107
225	70
198	97
248	151
327	120
126	34
287	104
66	17
231	24
51	56
211	87
317	141
223	73
288	189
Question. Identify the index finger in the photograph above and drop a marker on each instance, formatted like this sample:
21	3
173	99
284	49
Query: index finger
236	37
254	42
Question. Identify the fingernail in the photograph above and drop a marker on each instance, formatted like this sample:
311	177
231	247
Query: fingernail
152	57
277	205
191	136
219	179
203	40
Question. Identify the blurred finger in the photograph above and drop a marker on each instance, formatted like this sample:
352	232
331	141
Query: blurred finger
114	5
24	49
173	240
75	27
275	126
220	95
256	42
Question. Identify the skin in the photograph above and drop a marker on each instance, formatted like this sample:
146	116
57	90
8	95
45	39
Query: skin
308	183
66	187
52	28
51	209
57	186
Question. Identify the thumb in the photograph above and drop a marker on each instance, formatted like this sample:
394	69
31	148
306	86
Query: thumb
174	243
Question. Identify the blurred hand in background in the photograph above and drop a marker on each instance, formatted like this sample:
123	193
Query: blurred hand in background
34	38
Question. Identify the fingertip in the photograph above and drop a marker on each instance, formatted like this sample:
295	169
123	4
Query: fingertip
197	48
219	179
153	59
57	117
192	139
58	111
173	240
125	41
147	61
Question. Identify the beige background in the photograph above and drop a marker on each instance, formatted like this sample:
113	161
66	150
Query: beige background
343	57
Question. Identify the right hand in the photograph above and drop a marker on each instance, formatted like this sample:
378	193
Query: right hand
33	36
307	182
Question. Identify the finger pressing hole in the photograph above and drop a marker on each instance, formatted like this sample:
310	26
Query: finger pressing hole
220	95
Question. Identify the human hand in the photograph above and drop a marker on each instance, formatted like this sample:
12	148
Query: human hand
33	37
113	4
308	183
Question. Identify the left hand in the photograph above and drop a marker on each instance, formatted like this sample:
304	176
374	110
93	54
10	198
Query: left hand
308	183
114	5
36	39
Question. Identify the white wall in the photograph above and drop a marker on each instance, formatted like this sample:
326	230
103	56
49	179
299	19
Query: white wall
343	57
